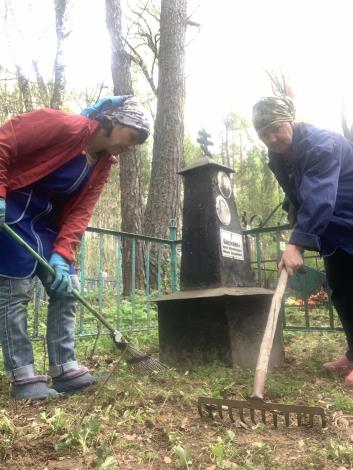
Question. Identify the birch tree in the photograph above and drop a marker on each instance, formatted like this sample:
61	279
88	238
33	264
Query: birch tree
130	193
57	98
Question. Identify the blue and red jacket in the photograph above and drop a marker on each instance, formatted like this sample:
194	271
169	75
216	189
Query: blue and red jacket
320	186
35	144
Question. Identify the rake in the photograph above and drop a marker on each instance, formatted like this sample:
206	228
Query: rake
134	358
255	405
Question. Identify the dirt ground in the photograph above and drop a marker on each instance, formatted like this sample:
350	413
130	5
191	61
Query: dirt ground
142	422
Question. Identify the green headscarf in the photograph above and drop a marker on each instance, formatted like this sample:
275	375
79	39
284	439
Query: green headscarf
272	109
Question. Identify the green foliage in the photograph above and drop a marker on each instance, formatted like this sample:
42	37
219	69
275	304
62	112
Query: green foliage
342	401
109	463
183	456
6	426
134	313
152	421
56	419
11	99
339	452
192	150
217	449
10	102
284	387
256	189
82	436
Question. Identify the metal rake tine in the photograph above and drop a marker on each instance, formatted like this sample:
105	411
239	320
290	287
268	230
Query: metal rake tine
263	416
199	407
299	419
209	411
275	419
230	413
305	415
220	411
311	420
241	415
323	421
205	408
252	415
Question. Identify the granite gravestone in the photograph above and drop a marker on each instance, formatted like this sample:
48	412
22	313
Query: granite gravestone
218	314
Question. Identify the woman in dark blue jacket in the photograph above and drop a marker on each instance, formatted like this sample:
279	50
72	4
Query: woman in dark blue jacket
315	169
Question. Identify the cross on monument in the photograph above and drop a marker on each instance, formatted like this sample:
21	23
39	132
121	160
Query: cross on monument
204	142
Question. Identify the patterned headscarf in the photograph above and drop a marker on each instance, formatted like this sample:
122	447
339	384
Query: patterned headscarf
273	109
123	109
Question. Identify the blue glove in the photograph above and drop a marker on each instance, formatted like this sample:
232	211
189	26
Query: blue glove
2	212
62	282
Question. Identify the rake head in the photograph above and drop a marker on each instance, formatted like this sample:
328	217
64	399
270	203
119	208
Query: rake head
136	359
305	415
139	360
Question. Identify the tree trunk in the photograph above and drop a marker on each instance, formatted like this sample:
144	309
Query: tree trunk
25	91
59	67
163	197
42	88
131	213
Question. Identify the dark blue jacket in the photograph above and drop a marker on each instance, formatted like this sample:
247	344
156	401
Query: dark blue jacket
320	185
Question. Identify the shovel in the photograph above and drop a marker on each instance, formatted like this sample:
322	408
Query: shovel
305	414
137	359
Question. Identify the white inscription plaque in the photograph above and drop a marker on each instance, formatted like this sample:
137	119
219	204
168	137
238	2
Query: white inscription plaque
232	245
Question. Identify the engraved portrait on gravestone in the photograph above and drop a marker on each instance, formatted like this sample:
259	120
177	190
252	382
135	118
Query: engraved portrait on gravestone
223	211
224	184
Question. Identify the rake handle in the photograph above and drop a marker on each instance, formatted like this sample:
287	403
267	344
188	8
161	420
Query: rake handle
51	271
267	340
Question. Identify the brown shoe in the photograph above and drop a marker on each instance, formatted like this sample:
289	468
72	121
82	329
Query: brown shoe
343	363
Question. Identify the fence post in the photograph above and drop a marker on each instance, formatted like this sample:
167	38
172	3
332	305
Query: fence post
82	280
37	295
159	269
133	280
118	279
147	276
173	258
258	259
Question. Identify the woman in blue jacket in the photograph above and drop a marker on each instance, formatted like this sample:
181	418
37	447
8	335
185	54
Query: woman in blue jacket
315	169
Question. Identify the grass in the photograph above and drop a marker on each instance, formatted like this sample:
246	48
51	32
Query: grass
142	422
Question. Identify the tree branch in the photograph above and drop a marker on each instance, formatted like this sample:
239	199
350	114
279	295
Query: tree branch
193	23
137	59
139	15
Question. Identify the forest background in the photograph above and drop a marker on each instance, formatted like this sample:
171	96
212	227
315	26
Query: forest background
193	65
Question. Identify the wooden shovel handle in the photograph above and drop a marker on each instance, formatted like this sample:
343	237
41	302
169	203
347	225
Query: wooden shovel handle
267	340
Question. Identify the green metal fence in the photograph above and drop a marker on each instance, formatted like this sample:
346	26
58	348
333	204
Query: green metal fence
308	305
100	269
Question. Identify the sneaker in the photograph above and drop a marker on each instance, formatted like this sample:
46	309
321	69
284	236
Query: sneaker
73	380
34	388
343	363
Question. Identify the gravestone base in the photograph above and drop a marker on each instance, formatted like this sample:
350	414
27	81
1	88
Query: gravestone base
224	325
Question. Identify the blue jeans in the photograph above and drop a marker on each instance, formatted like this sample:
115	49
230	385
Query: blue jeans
16	344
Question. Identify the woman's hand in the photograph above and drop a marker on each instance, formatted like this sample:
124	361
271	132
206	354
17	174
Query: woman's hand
62	281
2	212
292	259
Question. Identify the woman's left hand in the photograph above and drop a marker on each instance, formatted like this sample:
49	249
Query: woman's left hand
62	282
292	259
2	212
